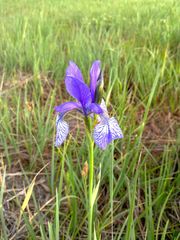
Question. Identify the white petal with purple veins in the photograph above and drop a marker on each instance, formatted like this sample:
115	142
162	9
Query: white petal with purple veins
115	130
62	130
101	134
107	130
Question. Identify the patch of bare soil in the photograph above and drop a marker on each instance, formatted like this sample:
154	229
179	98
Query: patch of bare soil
161	129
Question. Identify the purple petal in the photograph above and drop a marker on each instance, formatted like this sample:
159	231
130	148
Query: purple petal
95	108
73	71
68	106
106	131
78	90
94	75
62	130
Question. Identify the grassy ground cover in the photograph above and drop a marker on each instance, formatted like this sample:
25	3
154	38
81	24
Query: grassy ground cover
43	194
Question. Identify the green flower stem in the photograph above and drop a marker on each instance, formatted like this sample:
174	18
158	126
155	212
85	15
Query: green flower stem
91	177
111	178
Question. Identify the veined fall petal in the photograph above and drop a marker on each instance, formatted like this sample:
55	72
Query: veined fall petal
62	130
107	129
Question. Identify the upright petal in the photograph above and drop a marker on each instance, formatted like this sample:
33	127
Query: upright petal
78	90
62	130
73	71
105	114
106	131
94	75
68	106
104	108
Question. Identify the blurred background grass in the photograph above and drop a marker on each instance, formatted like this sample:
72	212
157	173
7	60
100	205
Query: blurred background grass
138	45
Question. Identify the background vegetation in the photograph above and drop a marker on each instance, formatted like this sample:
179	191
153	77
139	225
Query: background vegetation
43	194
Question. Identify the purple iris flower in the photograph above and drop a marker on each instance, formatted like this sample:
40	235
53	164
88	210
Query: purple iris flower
77	88
86	97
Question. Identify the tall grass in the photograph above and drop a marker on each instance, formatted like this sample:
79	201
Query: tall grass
138	44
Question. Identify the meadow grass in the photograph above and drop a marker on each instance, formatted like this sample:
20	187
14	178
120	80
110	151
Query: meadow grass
43	195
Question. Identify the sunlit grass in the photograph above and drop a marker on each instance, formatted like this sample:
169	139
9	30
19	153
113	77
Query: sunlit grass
138	45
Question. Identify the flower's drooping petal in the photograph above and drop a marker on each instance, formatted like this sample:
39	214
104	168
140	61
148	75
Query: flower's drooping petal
68	106
95	108
114	128
78	90
94	75
101	135
62	130
73	71
106	131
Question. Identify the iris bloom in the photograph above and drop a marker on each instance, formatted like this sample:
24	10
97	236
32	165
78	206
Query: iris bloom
107	129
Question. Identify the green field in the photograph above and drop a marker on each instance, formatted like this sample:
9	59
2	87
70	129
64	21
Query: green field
138	43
